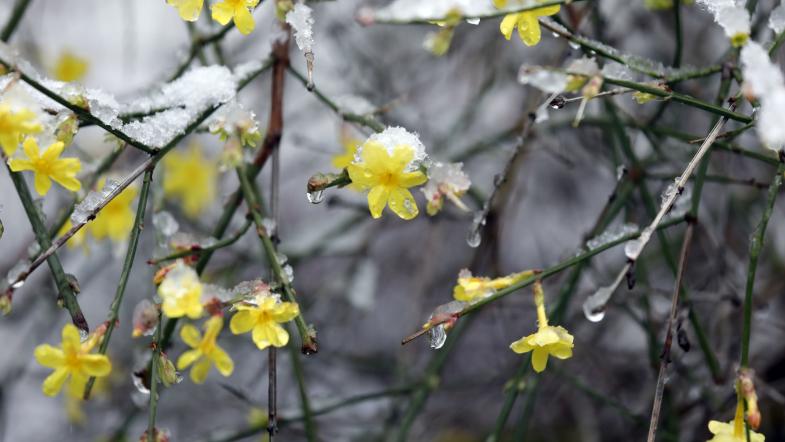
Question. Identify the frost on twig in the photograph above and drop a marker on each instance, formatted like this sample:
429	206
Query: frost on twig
301	21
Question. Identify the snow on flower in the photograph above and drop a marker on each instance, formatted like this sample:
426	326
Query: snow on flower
445	180
764	80
181	292
733	16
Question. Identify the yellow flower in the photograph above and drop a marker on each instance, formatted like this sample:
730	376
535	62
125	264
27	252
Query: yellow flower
387	180
70	67
263	316
239	10
48	166
733	431
205	351
190	178
71	360
181	292
116	219
548	340
526	22
14	125
189	10
471	288
79	239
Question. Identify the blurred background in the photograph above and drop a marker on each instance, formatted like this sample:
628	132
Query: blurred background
365	284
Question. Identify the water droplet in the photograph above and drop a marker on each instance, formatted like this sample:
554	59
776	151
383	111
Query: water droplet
557	103
288	273
474	238
574	45
315	197
633	248
270	226
555	34
594	315
18	284
594	306
437	336
83	335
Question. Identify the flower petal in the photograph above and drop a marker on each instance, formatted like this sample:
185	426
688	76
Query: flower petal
222	12
42	183
52	153
188	358
411	179
30	147
539	359
521	346
547	10
402	203
49	356
243	20
508	25
529	29
242	322
95	365
222	361
190	335
285	311
54	382
377	199
72	343
200	370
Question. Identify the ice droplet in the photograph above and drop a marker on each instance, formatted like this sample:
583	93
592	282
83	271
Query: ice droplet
594	306
16	271
165	223
574	45
83	335
270	226
474	238
288	273
437	336
315	197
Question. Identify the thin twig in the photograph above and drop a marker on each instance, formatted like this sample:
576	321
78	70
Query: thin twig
665	357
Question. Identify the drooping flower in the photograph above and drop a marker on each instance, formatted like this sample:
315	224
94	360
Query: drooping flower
472	288
527	22
14	125
386	178
205	351
263	317
181	292
190	178
70	67
116	219
47	166
72	360
237	10
548	340
189	10
445	180
733	431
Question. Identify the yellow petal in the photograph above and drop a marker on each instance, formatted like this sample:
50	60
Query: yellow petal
30	147
49	356
285	311
42	183
189	10
188	358
190	335
375	157
222	12
402	156
53	151
212	327
95	365
539	359
194	309
222	361
360	176
72	343
529	29
508	25
76	385
411	179
243	20
200	370
500	3
268	334
68	182
377	199
18	164
242	322
547	10
54	382
402	203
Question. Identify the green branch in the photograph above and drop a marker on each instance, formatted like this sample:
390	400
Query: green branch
13	20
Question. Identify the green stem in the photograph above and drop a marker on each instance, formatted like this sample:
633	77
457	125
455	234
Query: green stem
756	244
44	243
133	242
154	382
305	403
679	33
200	250
308	342
13	20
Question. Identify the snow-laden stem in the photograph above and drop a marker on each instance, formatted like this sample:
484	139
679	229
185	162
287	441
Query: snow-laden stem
128	262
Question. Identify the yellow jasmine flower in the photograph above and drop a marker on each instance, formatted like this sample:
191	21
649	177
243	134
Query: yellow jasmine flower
472	288
206	352
190	178
239	10
116	219
189	10
79	239
264	316
14	125
733	431
70	67
181	292
48	166
71	360
526	22
385	176
548	340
